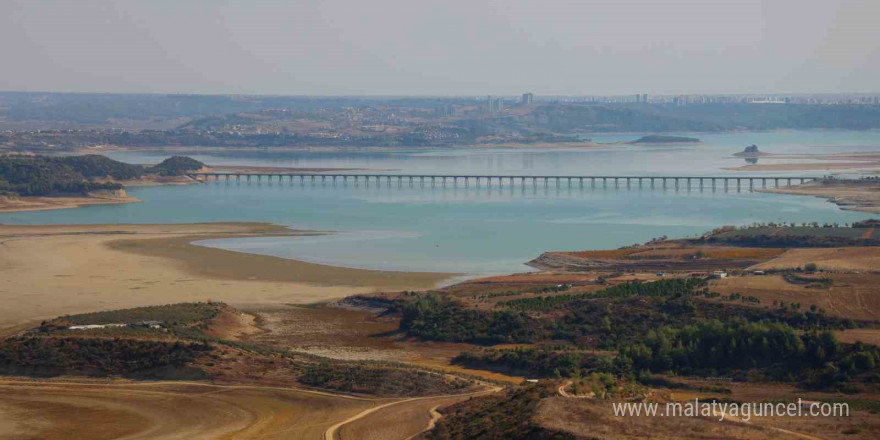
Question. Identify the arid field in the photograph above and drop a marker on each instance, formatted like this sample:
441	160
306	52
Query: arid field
156	410
48	271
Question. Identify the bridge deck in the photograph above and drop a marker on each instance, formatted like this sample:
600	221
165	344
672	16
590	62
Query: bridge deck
497	176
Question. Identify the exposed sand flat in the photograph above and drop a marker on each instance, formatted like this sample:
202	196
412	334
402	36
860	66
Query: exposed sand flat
821	166
47	271
817	162
18	204
850	196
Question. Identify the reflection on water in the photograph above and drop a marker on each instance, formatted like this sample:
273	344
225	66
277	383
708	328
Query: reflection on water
448	229
481	229
707	158
751	160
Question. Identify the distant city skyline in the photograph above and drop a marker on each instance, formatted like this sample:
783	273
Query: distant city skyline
443	48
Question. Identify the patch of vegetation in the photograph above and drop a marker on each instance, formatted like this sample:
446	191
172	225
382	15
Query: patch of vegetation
785	236
501	416
377	380
711	348
170	314
794	278
534	362
55	356
177	166
870	223
605	319
93	166
668	288
41	176
439	318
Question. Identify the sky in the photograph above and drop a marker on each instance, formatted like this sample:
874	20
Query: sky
440	47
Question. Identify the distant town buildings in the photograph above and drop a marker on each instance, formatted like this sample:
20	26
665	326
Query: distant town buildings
527	98
494	105
683	100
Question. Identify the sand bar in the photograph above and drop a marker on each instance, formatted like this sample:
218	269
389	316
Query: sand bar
20	204
47	271
867	162
851	196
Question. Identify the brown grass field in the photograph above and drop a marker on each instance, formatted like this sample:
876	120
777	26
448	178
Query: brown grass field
594	419
828	259
866	335
718	252
611	254
671	250
157	410
354	335
853	296
398	421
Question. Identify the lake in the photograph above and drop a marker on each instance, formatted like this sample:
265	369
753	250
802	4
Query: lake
476	230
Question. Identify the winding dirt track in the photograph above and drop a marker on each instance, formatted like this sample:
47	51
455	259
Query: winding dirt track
332	431
68	410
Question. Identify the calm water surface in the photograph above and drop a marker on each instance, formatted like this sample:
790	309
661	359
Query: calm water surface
476	230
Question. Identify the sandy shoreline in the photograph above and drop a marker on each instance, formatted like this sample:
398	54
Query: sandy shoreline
52	270
848	196
22	204
866	162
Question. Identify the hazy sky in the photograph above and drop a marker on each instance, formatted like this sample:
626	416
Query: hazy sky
442	47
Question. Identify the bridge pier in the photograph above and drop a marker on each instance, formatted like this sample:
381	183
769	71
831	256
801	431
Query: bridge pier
677	181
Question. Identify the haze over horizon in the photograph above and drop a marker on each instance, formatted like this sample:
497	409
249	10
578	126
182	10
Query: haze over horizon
391	47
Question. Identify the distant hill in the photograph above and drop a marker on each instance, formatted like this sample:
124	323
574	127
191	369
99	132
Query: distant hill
658	139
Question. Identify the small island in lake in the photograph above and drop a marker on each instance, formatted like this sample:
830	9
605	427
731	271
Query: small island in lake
660	139
751	151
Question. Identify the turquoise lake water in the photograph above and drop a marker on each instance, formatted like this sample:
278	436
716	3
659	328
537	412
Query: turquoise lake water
477	230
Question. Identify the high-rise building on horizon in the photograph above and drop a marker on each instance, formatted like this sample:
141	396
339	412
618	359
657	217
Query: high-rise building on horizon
495	105
527	98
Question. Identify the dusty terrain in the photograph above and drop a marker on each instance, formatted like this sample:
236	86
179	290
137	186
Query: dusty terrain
46	271
166	410
827	259
849	295
345	334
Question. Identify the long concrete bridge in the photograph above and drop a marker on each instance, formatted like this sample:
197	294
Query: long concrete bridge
512	180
